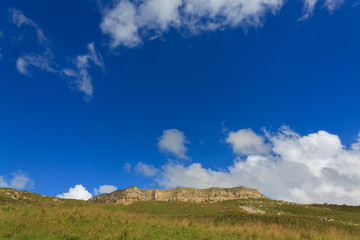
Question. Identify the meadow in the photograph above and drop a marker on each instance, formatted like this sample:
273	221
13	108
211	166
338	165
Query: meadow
26	215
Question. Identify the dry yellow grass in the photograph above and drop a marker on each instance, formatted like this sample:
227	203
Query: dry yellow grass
43	218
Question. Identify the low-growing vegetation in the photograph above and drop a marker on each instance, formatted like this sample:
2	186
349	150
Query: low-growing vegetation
25	215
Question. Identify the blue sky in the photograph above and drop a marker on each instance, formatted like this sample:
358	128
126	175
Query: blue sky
166	93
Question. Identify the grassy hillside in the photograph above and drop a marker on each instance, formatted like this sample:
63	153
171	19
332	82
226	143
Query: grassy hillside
25	215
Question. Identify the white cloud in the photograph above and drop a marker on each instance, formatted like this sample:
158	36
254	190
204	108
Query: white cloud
305	169
356	146
194	175
83	80
3	182
173	141
246	142
42	60
309	7
145	169
159	14
19	180
127	167
39	61
21	66
356	4
78	192
19	19
105	189
120	23
332	5
130	22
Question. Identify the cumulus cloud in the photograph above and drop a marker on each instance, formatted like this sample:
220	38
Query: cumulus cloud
130	22
78	192
313	168
105	189
120	24
173	141
246	142
145	169
356	146
82	63
19	180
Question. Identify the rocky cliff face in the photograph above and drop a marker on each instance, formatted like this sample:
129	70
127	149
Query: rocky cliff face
210	195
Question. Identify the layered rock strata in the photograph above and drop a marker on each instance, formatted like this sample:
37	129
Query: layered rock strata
210	195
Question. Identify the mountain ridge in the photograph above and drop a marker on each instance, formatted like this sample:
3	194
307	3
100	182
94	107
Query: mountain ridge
210	195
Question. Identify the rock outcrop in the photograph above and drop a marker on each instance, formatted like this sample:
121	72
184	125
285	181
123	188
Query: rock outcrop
210	195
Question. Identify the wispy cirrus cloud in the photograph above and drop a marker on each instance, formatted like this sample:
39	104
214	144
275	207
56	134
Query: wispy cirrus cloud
19	180
332	5
356	4
310	5
3	182
127	167
44	61
129	23
19	19
83	80
40	60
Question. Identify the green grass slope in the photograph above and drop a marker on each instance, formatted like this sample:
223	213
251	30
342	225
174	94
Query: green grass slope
26	215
